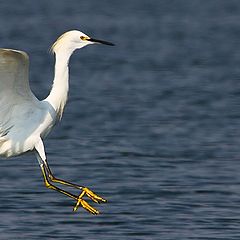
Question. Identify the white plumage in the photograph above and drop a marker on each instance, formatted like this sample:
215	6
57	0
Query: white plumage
21	114
25	120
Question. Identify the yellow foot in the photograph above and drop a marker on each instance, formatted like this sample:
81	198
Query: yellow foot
84	204
93	196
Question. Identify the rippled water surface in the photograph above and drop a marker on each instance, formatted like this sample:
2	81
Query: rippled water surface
151	124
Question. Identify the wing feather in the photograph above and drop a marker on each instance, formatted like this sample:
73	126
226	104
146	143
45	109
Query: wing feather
14	85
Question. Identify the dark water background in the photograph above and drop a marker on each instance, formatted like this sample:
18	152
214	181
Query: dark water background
151	124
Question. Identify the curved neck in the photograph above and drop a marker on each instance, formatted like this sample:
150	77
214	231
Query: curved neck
59	92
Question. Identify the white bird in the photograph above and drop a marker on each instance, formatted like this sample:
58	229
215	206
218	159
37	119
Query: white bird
25	120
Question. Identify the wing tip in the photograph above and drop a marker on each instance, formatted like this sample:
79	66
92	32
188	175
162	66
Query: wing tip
13	53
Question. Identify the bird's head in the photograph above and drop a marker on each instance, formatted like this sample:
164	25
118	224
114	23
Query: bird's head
72	40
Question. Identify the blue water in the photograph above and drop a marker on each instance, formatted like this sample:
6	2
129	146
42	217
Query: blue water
151	124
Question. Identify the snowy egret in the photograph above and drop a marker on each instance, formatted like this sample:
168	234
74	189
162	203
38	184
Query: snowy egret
25	120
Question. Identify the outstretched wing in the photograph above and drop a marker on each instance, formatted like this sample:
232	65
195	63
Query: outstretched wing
14	85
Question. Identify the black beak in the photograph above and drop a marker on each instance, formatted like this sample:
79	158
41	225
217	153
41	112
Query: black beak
101	41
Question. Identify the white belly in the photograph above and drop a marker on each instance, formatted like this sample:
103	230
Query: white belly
25	131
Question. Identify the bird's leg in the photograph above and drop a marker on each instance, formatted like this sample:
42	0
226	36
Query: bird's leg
50	186
48	176
94	197
57	180
79	199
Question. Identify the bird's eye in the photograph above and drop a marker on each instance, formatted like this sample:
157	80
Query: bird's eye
84	38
